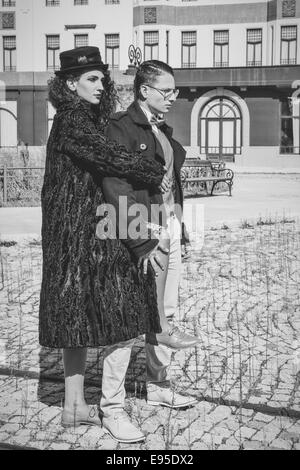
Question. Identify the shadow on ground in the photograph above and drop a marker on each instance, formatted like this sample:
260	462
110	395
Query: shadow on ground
51	377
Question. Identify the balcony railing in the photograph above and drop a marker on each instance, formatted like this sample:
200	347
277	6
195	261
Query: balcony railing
254	63
221	64
8	3
289	150
188	65
52	68
9	68
288	62
52	3
217	150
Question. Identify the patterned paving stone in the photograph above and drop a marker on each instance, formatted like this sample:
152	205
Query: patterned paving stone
253	445
199	446
4	435
268	433
245	432
282	444
239	293
232	442
59	446
228	447
290	436
263	417
220	414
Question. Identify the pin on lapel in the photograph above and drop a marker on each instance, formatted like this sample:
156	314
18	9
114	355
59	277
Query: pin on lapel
143	147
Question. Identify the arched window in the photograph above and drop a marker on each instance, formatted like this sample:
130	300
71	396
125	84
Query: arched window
290	125
296	122
220	129
8	124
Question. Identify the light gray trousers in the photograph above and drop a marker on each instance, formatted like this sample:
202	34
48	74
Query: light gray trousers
117	357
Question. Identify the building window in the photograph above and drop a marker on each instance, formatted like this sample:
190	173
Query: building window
221	48
81	2
167	45
8	124
221	129
288	52
52	3
151	41
290	126
272	45
112	50
81	40
8	3
53	52
254	47
188	49
9	53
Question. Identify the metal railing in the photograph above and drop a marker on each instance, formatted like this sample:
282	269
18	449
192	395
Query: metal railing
217	150
254	63
289	150
17	182
288	62
221	64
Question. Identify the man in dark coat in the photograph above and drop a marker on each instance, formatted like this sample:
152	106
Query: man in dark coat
157	238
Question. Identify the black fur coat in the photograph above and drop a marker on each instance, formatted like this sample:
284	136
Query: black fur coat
92	293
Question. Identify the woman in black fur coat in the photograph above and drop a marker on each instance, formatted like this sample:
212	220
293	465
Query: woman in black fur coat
92	293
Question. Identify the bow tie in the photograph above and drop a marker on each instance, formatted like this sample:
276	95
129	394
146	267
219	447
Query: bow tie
157	121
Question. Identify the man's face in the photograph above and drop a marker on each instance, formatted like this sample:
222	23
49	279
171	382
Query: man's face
159	95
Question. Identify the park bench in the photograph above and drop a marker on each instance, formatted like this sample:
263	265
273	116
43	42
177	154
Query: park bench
203	174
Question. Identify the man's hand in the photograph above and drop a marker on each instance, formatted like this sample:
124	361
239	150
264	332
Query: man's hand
165	184
154	256
186	251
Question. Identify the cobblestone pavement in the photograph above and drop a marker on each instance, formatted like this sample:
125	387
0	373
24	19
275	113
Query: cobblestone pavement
240	293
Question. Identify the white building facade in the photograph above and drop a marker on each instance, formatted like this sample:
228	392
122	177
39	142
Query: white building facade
41	29
214	33
237	65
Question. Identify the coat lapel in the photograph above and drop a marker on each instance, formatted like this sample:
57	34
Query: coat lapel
139	117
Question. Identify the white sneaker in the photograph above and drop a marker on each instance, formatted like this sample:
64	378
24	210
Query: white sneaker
121	429
167	397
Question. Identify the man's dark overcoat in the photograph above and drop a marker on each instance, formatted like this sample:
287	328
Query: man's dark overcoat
132	129
92	293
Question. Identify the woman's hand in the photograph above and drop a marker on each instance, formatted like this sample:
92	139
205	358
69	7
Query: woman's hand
165	184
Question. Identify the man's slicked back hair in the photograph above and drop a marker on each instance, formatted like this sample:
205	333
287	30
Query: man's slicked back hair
147	72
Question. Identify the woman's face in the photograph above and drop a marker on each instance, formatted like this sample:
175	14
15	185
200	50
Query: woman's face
89	86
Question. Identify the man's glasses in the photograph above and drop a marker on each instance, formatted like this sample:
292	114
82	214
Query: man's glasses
166	94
